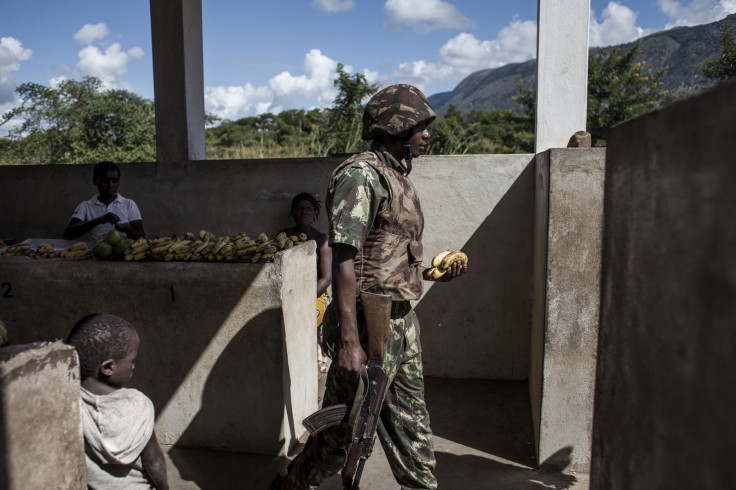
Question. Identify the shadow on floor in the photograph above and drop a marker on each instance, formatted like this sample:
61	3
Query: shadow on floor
219	470
479	472
490	416
483	439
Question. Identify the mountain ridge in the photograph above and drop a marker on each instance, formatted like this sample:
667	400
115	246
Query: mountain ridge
681	49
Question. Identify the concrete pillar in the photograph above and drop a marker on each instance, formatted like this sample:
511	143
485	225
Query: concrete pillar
565	305
562	71
41	442
178	80
665	398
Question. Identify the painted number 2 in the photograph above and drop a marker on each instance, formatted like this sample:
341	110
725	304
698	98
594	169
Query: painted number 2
6	290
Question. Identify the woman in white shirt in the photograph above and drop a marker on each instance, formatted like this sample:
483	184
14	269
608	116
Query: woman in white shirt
105	211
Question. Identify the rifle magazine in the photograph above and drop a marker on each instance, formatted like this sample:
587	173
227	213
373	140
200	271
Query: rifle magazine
326	418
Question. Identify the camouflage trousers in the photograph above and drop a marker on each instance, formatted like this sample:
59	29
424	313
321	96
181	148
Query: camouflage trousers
403	428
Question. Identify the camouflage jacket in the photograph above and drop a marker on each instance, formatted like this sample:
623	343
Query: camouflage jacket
374	207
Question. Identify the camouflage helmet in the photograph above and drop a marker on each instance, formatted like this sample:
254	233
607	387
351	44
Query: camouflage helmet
395	110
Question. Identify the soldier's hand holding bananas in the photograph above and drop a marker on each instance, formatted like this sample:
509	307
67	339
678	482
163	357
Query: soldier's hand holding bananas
446	266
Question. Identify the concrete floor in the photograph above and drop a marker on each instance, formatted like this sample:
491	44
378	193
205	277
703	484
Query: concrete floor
483	440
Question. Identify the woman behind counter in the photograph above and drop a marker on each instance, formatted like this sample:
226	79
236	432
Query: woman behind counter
105	211
305	211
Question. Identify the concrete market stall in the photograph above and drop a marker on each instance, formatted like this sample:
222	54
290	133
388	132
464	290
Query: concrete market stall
228	350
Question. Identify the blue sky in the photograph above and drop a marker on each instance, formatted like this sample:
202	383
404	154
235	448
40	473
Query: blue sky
274	55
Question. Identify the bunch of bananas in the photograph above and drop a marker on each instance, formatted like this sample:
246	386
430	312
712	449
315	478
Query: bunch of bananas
45	251
17	250
206	246
158	248
207	236
138	250
76	251
442	261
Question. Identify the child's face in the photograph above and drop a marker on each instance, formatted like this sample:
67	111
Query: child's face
107	185
123	368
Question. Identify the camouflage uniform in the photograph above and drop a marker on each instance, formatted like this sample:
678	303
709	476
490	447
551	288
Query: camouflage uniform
374	208
365	213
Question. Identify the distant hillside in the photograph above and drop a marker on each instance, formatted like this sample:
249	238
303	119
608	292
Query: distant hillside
682	49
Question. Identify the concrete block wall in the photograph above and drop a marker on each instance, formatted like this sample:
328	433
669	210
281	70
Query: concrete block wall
228	350
664	400
566	292
224	197
476	327
41	443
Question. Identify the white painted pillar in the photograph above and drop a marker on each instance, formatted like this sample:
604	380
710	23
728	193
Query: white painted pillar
562	71
178	79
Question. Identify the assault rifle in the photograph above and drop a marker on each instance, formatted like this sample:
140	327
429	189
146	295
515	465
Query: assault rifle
366	407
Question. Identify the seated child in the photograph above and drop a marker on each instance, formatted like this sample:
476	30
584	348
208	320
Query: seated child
121	450
106	211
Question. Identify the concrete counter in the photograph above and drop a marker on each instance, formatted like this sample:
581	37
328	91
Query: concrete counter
228	350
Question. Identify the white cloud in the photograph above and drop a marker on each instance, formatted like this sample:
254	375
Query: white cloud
335	5
90	33
465	54
109	66
237	102
284	91
14	123
370	75
425	15
617	26
57	80
12	53
696	12
318	82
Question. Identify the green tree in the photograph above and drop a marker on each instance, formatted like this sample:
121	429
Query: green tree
527	99
619	88
523	137
723	66
345	116
450	134
77	122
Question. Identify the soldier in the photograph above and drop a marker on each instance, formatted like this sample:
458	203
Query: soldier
375	232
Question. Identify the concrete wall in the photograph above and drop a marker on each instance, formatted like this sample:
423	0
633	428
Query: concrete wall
476	327
41	444
224	197
228	350
665	398
566	291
